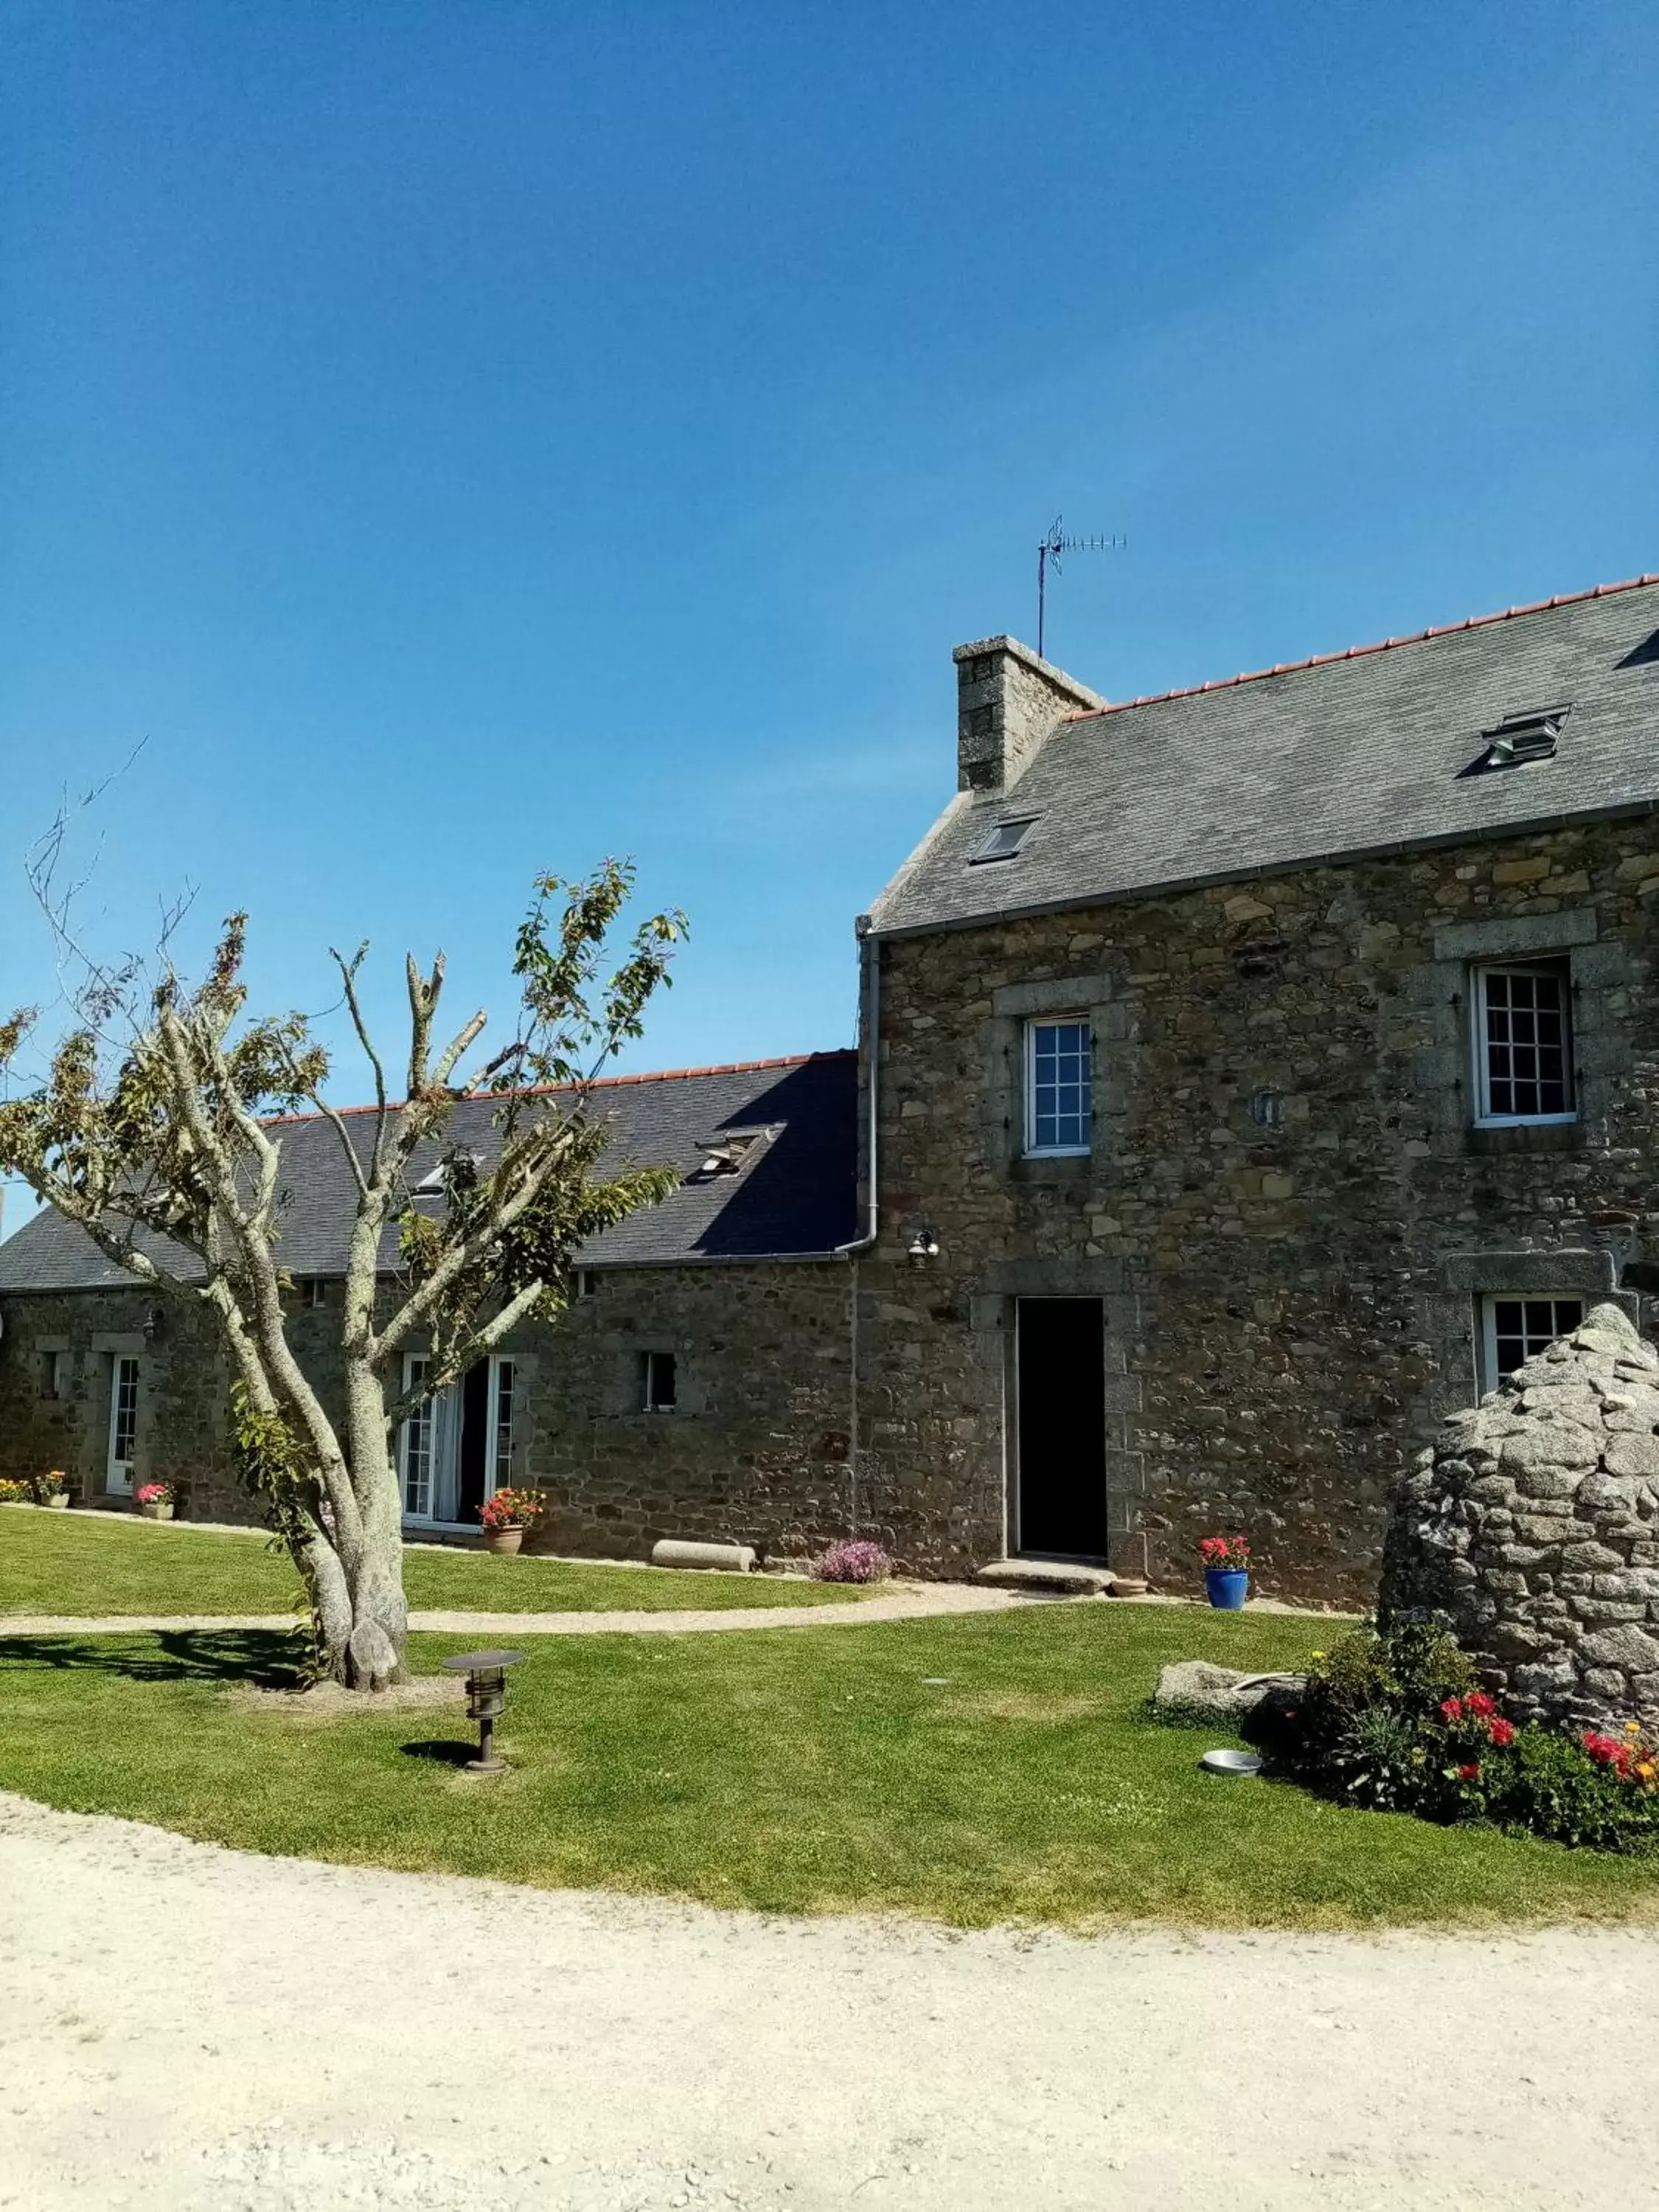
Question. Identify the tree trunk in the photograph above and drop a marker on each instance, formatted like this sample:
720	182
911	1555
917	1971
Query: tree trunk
374	1652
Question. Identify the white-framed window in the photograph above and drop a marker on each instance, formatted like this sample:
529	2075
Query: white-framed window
1513	1329
314	1292
58	1379
1522	1040
1059	1086
659	1379
123	1423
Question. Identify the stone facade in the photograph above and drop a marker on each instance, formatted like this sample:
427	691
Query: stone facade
58	1353
757	1448
1279	1249
1287	1211
1532	1529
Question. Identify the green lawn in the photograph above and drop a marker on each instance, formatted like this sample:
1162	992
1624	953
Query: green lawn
113	1563
806	1770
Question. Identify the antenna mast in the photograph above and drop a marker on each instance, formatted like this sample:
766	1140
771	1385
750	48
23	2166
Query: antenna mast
1048	553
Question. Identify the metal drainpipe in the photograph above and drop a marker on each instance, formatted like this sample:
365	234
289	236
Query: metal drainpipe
871	947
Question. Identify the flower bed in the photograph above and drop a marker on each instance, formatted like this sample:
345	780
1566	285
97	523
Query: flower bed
1396	1722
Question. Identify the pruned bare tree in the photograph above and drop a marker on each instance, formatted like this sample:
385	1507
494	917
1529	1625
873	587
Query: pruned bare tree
157	1128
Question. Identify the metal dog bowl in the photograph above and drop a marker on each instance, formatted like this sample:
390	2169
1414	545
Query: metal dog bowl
1230	1762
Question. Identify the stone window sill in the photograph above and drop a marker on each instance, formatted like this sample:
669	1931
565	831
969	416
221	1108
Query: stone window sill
1527	1137
1052	1167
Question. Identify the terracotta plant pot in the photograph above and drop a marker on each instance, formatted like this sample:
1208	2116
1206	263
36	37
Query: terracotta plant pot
162	1510
503	1539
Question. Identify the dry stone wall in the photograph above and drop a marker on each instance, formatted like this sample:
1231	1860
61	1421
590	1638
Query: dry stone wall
1532	1528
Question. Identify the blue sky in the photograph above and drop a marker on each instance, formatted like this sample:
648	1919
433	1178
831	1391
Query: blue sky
465	438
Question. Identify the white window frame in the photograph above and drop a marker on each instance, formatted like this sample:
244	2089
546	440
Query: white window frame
1035	1026
1483	1116
428	1426
1489	1378
60	1375
118	1471
418	1428
498	1448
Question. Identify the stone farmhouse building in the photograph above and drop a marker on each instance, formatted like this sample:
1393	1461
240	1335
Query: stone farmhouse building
1248	1076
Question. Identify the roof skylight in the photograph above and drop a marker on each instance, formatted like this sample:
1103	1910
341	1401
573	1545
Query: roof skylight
1519	739
1004	841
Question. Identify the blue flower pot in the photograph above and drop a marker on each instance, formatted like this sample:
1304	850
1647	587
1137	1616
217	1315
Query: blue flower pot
1227	1587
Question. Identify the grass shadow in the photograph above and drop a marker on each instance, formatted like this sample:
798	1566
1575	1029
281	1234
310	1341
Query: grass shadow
440	1751
261	1658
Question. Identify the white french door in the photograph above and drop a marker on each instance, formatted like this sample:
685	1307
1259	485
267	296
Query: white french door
123	1426
433	1442
430	1461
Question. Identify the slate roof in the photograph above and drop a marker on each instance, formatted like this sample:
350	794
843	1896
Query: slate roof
794	1195
1348	754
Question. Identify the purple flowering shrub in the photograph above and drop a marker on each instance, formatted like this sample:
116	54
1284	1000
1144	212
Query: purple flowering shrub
856	1561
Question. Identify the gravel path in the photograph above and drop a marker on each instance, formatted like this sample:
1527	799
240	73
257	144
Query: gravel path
919	1602
188	2029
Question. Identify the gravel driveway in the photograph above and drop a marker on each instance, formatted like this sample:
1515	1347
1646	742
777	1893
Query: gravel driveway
207	2031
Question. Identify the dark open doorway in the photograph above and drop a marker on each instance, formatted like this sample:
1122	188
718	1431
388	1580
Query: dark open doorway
1061	1444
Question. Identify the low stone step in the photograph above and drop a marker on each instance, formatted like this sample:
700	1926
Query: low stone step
1062	1575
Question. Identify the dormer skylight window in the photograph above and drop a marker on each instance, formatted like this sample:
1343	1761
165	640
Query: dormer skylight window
725	1155
432	1185
1521	739
1004	841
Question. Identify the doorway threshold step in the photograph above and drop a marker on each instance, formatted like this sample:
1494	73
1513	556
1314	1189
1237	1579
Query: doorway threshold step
1068	1577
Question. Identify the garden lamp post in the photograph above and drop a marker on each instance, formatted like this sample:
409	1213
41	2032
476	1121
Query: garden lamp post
486	1697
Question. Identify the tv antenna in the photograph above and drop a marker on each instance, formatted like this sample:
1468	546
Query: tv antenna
1048	553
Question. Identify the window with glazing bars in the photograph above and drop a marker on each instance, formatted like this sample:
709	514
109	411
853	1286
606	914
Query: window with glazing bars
1515	1329
502	1459
1058	1087
1523	1043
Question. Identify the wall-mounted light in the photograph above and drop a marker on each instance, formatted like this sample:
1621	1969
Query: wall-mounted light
924	1247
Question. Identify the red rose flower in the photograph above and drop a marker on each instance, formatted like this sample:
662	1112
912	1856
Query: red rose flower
1452	1710
1479	1704
1502	1733
1471	1773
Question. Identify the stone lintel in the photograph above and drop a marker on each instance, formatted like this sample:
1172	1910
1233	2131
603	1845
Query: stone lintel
1057	994
1507	937
1564	1269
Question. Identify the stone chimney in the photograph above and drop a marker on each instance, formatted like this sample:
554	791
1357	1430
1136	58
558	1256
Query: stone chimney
1008	702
